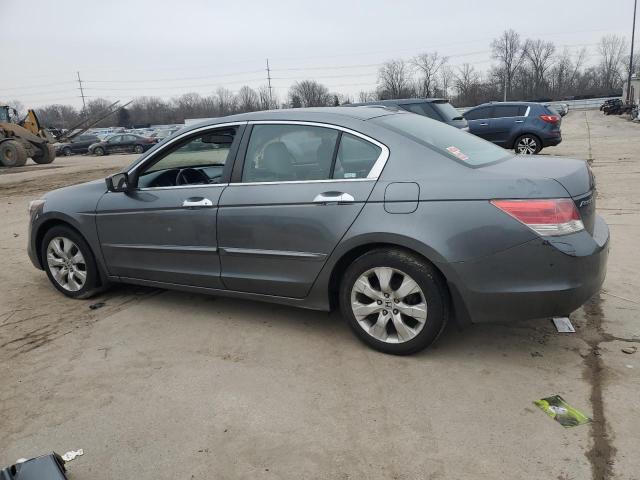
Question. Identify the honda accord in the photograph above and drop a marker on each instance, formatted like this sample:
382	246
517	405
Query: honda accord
400	221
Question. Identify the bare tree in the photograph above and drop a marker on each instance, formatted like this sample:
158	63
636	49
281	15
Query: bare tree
446	79
310	93
539	54
612	49
247	100
394	80
268	100
364	96
467	82
428	65
508	50
225	101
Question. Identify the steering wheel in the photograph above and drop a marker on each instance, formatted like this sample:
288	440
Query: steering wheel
190	176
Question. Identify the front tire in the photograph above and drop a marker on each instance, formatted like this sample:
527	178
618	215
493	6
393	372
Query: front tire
67	151
70	263
394	301
46	155
12	154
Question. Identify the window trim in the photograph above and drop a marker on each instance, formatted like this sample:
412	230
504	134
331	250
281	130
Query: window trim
373	174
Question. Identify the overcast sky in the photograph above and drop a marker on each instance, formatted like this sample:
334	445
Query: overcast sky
125	49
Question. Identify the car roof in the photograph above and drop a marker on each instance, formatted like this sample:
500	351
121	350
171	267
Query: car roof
331	115
488	104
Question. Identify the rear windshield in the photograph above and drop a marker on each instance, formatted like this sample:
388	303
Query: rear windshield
447	111
445	139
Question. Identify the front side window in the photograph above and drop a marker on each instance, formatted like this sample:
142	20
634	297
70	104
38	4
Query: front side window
115	139
281	153
198	160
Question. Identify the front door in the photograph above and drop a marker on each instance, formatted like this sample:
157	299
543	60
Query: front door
480	122
295	192
165	229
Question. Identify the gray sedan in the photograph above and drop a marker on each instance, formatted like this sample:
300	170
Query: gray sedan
399	221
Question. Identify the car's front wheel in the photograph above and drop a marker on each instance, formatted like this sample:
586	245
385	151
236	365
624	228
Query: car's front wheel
99	151
395	301
67	151
69	263
528	145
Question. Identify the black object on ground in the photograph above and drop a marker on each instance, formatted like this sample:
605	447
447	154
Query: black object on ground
96	306
46	467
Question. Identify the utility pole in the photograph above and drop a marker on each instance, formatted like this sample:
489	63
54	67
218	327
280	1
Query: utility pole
269	83
84	106
633	33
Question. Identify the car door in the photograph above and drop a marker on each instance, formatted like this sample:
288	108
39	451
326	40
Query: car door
480	122
296	189
506	121
164	230
128	143
113	144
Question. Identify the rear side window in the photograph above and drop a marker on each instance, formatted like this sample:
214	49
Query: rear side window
446	140
501	111
478	113
355	158
447	111
280	153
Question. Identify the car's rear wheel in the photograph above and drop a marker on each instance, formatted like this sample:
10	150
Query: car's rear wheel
528	145
395	301
69	263
138	149
67	151
99	151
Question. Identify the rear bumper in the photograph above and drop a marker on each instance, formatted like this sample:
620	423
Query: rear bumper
551	141
532	280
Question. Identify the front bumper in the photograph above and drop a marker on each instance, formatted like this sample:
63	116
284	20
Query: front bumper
536	279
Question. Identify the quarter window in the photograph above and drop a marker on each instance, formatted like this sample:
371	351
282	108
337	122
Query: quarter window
356	157
279	153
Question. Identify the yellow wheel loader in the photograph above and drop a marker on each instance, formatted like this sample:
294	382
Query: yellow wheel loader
22	139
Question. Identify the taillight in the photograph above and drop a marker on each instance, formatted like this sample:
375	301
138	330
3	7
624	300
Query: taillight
550	118
557	216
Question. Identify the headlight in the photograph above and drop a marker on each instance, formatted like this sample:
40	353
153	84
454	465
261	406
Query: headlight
35	205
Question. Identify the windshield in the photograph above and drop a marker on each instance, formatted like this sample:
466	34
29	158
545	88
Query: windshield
445	139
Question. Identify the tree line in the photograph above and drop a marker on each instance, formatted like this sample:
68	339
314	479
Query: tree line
522	69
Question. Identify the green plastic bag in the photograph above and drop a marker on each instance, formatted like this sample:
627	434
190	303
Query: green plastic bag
562	412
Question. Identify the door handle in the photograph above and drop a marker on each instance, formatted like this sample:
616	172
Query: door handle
333	197
197	202
519	121
484	124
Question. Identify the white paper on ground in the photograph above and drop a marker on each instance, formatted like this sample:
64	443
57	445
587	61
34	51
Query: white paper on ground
563	325
67	457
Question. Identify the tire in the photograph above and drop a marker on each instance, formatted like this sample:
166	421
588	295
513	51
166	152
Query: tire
428	295
67	152
98	151
12	154
138	149
62	236
527	144
47	154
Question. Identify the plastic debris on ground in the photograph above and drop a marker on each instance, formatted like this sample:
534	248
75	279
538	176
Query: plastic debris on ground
562	412
67	457
96	306
49	467
563	325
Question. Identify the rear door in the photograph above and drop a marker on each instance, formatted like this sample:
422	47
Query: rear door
480	122
296	189
507	121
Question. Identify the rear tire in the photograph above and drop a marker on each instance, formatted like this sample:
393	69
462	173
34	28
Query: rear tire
47	154
138	149
67	152
527	144
70	263
12	154
408	308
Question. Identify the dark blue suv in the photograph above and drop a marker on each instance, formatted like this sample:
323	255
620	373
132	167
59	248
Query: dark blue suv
524	126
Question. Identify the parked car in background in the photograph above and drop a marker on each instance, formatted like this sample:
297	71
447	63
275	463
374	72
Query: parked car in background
398	220
561	108
526	127
160	135
436	108
79	144
122	143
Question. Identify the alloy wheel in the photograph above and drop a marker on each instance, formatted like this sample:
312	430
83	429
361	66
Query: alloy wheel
389	305
67	264
527	146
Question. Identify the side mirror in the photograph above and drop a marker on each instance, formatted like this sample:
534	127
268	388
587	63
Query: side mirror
118	182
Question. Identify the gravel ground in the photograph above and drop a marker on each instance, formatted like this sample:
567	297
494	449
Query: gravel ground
160	384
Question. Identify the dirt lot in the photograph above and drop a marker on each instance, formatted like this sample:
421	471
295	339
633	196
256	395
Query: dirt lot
159	384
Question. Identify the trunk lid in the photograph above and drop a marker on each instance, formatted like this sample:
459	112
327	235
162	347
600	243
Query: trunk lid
574	175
